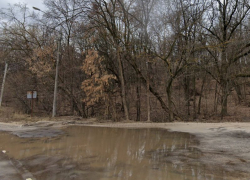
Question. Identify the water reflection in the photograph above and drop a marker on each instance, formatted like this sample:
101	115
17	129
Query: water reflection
111	154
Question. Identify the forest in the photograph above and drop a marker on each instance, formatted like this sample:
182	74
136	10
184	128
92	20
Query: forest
140	60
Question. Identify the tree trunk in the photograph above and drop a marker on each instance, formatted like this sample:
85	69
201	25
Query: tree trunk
224	96
215	97
202	88
84	113
238	91
194	96
224	82
170	103
122	83
187	94
152	90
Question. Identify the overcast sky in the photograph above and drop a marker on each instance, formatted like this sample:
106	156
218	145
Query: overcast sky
30	3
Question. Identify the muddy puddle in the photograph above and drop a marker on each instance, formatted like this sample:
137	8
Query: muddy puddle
93	153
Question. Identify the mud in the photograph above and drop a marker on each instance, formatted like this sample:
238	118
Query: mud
38	133
217	151
8	170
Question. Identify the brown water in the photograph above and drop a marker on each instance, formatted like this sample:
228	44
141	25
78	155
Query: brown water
92	153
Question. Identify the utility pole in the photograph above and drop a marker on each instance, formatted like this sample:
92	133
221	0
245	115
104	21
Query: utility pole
57	66
56	77
4	77
148	92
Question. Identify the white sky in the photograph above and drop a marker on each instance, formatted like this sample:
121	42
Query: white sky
30	3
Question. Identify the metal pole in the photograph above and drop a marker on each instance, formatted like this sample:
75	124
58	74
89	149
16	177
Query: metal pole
4	77
31	104
56	77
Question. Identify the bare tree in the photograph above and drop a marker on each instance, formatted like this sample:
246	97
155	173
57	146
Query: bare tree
223	21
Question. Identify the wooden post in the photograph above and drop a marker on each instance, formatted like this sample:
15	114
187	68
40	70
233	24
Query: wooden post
4	78
32	103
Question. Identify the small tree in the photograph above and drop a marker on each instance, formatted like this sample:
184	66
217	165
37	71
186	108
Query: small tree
97	85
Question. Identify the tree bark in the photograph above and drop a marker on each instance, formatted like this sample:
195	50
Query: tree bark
187	94
238	91
170	103
194	96
224	98
122	82
224	81
202	88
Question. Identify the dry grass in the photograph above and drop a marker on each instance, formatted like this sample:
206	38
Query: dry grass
9	114
6	113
